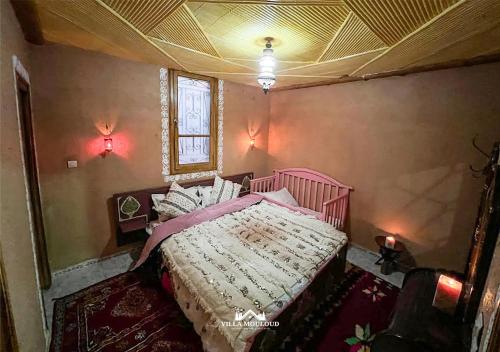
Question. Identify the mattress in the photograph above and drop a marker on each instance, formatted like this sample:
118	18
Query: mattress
233	275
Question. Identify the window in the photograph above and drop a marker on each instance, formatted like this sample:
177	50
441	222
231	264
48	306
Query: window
193	123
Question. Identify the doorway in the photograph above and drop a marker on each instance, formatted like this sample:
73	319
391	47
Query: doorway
30	164
8	340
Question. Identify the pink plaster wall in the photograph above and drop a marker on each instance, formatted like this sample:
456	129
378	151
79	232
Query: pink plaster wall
75	92
404	144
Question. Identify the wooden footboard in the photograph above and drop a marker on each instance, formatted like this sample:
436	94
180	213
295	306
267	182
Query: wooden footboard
271	339
335	211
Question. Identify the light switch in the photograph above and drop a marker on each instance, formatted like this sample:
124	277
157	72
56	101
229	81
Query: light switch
72	164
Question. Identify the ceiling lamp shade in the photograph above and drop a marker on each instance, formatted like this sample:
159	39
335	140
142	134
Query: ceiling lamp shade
266	76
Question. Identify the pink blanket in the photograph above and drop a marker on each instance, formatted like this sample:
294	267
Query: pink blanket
170	227
180	223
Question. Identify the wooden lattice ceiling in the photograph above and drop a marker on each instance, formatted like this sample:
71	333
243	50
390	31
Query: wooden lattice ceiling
315	40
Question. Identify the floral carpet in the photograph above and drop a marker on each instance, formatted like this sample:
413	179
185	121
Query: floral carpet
123	313
128	313
348	319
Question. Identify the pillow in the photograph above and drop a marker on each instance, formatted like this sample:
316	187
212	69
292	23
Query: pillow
282	196
224	190
178	201
157	198
152	224
205	193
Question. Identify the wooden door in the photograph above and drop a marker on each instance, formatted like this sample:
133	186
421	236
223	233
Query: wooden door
28	140
8	341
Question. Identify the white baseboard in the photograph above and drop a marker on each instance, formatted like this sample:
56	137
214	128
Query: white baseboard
92	261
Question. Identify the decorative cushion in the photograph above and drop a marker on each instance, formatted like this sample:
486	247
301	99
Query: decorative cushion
152	224
205	193
157	198
224	190
282	196
178	201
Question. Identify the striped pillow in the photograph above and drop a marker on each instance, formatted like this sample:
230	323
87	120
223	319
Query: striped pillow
224	190
179	201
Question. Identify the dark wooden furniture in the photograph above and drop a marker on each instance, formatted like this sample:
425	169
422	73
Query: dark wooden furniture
389	256
484	239
417	325
132	228
270	339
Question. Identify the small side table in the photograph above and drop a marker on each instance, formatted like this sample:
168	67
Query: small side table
389	256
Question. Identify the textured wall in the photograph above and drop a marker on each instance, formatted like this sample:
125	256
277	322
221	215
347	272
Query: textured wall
75	93
15	238
404	144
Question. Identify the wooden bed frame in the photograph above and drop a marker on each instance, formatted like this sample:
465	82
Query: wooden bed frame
132	227
312	190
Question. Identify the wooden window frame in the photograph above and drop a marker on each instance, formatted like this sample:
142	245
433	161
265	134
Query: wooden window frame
175	167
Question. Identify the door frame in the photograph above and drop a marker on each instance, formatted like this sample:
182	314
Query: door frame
19	70
23	92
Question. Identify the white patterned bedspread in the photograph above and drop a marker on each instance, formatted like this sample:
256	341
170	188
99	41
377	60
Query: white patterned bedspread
259	258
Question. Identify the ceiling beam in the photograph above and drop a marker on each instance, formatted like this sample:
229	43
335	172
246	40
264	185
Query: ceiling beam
491	49
221	59
145	37
278	3
479	60
195	19
27	16
330	43
148	15
323	63
425	25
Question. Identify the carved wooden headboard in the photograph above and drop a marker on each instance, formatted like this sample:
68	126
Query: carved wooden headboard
133	210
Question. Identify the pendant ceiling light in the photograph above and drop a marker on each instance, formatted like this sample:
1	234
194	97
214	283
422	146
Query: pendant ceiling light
266	76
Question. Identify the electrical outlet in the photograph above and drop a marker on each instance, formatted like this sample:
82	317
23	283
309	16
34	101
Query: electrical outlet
72	164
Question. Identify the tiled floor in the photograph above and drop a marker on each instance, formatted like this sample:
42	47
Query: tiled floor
75	278
366	260
82	275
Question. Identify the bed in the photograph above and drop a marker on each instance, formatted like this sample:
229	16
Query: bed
246	270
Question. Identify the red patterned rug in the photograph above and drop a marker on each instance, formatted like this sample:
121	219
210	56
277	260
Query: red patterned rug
348	319
126	313
123	313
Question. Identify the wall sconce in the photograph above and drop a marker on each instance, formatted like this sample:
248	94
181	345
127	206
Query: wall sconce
252	143
108	144
108	141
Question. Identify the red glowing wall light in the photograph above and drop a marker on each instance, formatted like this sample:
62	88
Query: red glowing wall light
108	141
108	144
122	146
